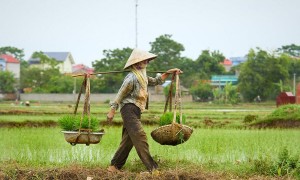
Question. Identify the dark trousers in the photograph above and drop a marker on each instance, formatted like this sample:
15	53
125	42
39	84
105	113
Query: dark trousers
133	135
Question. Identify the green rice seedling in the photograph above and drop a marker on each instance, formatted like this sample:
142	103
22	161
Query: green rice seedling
67	122
94	123
167	118
71	123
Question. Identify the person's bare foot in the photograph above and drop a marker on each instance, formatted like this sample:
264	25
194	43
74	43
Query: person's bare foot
113	169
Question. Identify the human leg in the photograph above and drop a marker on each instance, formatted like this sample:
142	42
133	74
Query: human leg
131	115
123	151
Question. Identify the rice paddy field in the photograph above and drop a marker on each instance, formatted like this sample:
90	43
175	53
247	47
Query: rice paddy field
222	146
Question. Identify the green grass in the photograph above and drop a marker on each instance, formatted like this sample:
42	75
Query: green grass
225	145
47	147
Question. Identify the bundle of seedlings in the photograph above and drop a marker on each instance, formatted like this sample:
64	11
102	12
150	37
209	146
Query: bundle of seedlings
172	130
73	123
82	129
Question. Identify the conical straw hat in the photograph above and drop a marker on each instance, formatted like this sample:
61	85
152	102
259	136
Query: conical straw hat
138	55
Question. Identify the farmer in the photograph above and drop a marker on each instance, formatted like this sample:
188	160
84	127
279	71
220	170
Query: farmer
132	99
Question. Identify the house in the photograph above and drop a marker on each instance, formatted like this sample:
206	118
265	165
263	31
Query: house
65	60
237	60
227	64
9	63
221	80
81	68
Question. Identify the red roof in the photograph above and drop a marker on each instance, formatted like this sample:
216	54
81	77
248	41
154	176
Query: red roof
9	58
82	68
227	62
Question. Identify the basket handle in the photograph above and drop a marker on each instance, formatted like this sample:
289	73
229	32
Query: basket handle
177	100
169	97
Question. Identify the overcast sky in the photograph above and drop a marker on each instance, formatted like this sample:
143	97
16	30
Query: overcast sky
87	27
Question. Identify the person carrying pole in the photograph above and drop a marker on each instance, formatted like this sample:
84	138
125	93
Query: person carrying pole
132	99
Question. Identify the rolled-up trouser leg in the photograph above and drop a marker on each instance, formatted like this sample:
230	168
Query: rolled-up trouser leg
131	115
123	151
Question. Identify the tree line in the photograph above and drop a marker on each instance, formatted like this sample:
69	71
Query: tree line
263	73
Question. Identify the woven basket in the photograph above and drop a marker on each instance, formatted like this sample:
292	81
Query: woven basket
172	134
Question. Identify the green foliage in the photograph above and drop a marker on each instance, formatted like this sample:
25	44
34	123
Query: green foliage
168	53
16	52
7	82
202	91
48	81
72	123
286	164
260	73
250	118
293	50
286	112
167	118
289	112
263	165
228	94
113	60
208	63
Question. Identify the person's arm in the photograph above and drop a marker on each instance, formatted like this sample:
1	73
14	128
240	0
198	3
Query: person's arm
125	89
170	71
158	80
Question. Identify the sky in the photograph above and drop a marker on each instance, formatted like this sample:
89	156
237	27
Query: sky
87	27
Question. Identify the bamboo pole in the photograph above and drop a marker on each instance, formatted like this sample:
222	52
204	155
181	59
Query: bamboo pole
113	72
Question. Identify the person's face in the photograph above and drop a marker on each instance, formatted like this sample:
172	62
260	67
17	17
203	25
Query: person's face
143	64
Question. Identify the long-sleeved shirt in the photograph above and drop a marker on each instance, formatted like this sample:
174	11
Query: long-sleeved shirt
132	92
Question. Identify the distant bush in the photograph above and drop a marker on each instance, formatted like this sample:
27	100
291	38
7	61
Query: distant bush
284	111
286	116
250	118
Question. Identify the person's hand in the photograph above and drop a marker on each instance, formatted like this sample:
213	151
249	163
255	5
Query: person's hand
171	71
110	115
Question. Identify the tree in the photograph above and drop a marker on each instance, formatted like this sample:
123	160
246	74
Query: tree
208	64
7	82
293	50
231	94
260	72
114	60
46	81
169	56
168	53
17	53
188	77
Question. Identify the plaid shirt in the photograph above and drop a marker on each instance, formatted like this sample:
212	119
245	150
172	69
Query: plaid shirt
132	92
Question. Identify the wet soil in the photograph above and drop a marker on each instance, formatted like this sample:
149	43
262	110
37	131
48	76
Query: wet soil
81	173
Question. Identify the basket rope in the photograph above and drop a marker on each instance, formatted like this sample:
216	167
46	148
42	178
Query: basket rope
86	107
177	101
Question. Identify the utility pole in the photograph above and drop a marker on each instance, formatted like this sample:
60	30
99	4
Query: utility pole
136	24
